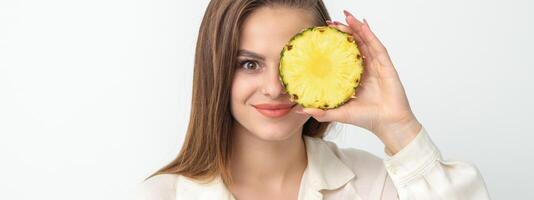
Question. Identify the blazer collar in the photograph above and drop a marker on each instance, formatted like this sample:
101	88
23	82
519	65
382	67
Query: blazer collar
325	171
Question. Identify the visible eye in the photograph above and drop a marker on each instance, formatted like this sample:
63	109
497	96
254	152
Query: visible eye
249	65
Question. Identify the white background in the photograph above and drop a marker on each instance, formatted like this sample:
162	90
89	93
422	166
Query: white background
95	95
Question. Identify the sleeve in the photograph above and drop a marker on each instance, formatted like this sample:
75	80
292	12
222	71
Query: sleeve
159	187
419	172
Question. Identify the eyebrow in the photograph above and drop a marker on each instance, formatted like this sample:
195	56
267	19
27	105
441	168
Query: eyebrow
250	54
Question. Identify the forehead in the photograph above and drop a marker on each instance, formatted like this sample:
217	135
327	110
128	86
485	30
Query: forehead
267	29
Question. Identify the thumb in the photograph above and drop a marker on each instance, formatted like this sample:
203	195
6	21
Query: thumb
323	115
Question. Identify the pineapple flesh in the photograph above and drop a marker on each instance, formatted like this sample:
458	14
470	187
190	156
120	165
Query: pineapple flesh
321	67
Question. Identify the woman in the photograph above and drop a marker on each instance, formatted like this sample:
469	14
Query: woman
236	148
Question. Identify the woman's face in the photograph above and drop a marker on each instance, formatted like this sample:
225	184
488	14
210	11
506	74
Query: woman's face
256	88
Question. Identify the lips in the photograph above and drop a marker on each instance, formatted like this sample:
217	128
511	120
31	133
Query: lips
274	110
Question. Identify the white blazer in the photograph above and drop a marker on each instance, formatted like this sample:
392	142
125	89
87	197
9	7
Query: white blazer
417	172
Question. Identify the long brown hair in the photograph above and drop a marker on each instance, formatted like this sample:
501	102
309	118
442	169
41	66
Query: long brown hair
205	153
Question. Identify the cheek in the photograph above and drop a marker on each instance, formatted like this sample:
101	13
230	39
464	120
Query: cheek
243	88
244	92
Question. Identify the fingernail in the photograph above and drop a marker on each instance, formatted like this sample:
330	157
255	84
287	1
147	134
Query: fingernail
328	22
336	23
347	13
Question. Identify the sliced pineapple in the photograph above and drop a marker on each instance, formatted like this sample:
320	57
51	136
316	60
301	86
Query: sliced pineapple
321	67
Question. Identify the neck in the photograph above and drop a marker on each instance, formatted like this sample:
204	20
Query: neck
277	162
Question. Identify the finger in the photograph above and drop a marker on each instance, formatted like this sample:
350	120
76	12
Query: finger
356	27
366	34
325	115
370	38
358	31
355	24
318	114
373	41
341	27
347	13
299	109
345	28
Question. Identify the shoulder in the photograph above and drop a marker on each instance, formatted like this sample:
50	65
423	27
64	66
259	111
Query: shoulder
160	187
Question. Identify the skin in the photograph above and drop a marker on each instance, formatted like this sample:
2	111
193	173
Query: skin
258	140
381	105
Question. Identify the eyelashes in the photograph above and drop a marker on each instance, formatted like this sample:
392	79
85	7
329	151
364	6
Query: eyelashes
249	65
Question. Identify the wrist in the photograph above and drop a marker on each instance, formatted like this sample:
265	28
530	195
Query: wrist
396	137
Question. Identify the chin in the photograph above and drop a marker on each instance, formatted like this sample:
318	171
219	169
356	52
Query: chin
269	134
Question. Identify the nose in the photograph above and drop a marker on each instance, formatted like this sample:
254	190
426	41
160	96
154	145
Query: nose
272	85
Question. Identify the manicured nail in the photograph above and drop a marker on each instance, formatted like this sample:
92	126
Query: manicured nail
336	23
347	13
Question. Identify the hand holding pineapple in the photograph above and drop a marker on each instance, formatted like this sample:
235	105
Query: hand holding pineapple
380	104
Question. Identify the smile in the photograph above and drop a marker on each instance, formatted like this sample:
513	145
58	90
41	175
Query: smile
274	111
